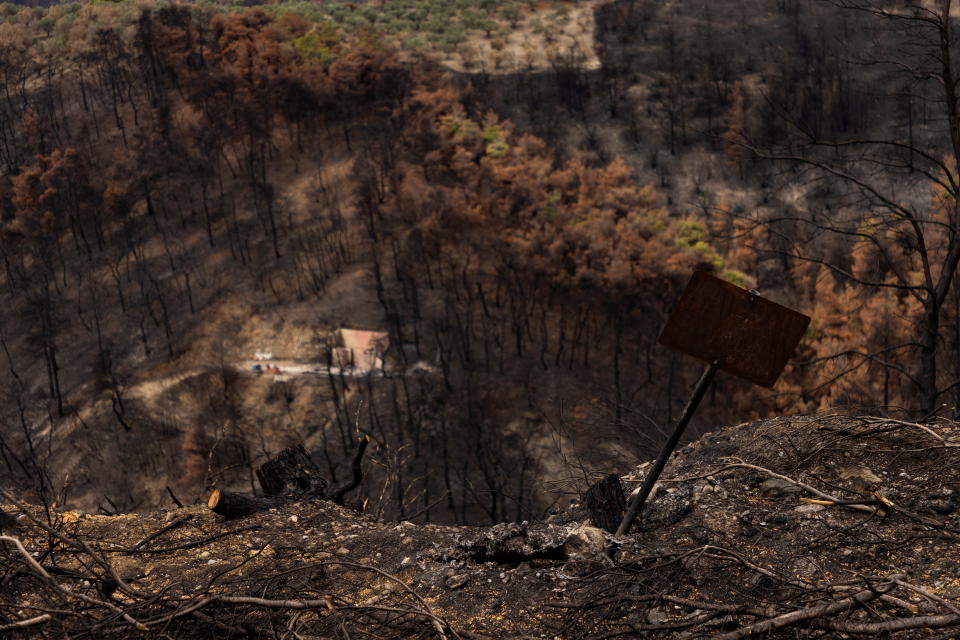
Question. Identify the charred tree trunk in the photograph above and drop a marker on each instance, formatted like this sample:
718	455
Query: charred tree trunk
606	503
929	334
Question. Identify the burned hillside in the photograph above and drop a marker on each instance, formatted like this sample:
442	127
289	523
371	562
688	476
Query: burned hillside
826	526
187	187
439	241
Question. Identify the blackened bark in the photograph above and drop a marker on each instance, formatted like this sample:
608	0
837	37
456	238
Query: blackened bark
606	503
347	486
292	474
235	505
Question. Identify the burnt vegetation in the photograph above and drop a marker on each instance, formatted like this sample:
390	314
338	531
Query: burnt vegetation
184	185
785	540
181	181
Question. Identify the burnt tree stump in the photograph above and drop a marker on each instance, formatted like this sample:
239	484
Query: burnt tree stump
290	476
606	503
234	505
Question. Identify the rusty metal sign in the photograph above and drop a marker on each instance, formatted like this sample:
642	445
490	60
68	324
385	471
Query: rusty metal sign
746	335
731	329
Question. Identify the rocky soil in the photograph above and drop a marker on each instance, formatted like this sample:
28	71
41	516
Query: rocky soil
824	527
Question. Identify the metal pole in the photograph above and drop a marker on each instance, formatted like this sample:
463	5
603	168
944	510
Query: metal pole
668	448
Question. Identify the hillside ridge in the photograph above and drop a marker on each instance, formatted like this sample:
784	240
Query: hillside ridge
788	524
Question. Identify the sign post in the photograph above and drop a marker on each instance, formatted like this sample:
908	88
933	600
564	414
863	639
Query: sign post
730	329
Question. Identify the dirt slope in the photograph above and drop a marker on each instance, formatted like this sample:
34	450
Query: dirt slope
731	545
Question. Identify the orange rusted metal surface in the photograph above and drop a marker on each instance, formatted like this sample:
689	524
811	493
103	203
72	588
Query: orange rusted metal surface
746	335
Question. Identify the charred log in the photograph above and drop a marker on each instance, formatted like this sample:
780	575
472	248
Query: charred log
288	477
235	505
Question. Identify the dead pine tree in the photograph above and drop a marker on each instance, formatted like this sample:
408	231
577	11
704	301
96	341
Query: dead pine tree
905	248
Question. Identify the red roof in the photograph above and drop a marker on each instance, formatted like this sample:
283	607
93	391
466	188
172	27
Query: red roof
359	340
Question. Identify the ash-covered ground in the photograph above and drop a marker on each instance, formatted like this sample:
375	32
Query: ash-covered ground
819	527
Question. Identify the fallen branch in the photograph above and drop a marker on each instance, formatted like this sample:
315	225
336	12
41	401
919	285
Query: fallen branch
427	608
190	545
26	512
915	425
29	622
349	485
898	624
754	567
808	613
65	590
879	501
806	487
658	598
439	624
932	597
156	534
26	556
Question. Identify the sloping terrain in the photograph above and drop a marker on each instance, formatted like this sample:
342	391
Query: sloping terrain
212	227
251	180
732	545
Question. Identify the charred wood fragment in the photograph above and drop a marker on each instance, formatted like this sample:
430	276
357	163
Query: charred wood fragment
156	534
7	523
606	503
291	474
234	505
174	497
